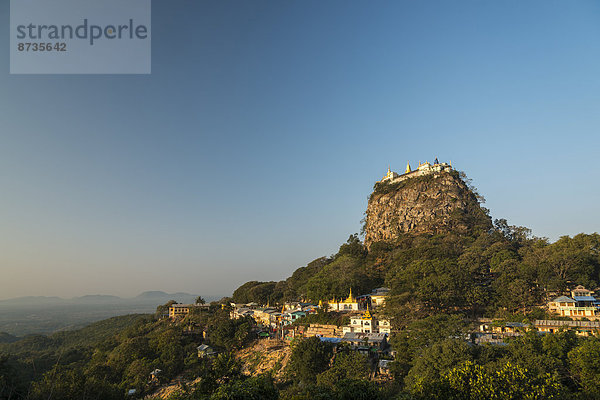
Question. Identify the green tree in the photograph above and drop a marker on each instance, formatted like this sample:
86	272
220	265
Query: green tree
229	333
346	365
470	381
254	388
309	358
357	389
584	362
12	383
353	247
437	360
254	291
71	383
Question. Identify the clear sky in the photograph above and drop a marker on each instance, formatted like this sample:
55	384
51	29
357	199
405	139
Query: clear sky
252	147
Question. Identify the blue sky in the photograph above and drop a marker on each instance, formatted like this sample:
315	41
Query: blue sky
253	145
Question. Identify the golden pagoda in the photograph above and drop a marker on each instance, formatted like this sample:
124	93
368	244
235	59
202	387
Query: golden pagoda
407	168
347	304
350	298
367	315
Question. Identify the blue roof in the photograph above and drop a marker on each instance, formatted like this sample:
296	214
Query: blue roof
330	339
563	299
584	298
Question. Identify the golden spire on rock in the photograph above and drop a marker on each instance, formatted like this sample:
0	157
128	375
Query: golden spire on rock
407	168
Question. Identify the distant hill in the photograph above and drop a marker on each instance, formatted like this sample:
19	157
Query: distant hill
33	300
149	296
7	338
97	298
157	295
45	315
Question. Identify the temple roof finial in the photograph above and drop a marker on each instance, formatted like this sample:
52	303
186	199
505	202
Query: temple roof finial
407	168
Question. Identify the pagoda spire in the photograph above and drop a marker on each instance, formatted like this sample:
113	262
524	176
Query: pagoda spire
407	168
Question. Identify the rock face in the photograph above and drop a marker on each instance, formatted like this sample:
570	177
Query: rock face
436	203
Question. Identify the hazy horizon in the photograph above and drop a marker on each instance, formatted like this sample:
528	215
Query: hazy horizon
207	298
252	147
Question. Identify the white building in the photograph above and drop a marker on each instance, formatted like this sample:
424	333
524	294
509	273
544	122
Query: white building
378	296
349	304
423	169
367	323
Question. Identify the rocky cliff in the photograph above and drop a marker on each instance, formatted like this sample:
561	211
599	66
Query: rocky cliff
435	203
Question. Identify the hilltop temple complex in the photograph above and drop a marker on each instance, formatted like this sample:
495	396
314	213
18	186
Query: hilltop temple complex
423	169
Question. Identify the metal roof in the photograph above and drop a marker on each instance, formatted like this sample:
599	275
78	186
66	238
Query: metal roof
360	337
563	299
584	298
330	339
572	324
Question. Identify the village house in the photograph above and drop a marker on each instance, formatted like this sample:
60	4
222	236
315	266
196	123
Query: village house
510	327
251	306
378	296
181	310
298	306
367	323
495	333
581	304
366	340
205	351
582	328
288	318
242	312
322	330
266	316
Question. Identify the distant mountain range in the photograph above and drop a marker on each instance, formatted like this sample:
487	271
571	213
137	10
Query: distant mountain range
154	297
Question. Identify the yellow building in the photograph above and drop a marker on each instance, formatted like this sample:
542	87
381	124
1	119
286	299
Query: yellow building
580	305
582	328
378	296
179	310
